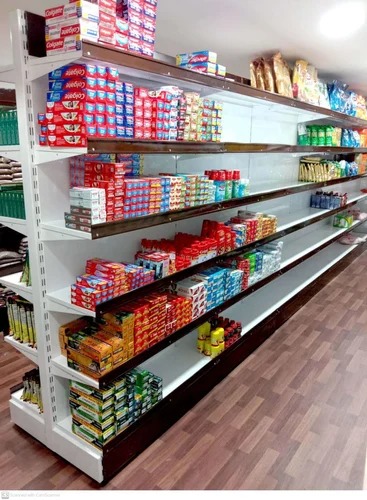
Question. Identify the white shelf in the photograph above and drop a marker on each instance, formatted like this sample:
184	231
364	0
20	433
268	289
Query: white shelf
7	73
56	230
303	244
59	367
10	152
181	360
19	225
30	352
27	416
46	154
12	282
287	221
77	451
60	301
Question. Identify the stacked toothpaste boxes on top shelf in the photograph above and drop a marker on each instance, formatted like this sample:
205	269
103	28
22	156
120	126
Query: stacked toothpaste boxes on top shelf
204	61
127	24
86	100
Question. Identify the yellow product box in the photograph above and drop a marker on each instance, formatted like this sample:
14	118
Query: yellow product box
116	343
92	347
83	360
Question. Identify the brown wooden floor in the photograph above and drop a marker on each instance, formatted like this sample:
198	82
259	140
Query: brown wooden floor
292	416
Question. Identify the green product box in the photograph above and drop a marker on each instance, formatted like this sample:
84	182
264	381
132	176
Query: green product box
101	394
343	220
97	416
90	401
93	436
83	417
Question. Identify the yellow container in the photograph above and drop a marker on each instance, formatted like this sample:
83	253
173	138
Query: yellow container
201	345
215	351
208	348
204	331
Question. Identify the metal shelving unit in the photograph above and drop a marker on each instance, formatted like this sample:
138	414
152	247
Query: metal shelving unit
58	254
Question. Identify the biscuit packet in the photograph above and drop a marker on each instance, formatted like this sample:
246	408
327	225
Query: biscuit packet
268	75
259	74
282	76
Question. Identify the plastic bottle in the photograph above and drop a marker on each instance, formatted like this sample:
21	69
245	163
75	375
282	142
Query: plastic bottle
236	176
229	187
242	188
220	186
321	136
314	135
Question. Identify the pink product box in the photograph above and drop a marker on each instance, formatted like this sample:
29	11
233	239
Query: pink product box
107	6
134	5
190	288
74	10
90	281
107	35
107	20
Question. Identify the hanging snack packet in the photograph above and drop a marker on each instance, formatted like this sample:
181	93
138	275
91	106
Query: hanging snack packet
253	74
259	74
268	76
282	76
299	79
323	95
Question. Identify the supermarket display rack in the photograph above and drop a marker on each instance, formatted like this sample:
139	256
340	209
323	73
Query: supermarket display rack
310	250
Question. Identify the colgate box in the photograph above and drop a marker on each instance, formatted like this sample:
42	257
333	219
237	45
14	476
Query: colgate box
202	67
70	128
74	10
60	118
70	95
67	140
74	71
107	35
72	84
107	6
134	5
61	45
87	29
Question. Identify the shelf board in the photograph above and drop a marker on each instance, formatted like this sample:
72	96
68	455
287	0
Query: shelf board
45	154
30	352
187	147
27	416
12	281
19	225
12	269
60	300
61	369
7	73
56	230
160	71
10	152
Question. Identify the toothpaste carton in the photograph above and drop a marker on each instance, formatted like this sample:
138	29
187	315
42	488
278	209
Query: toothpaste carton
221	71
60	118
202	67
87	29
61	45
65	106
75	10
69	128
74	71
68	141
107	6
72	84
204	56
71	95
107	35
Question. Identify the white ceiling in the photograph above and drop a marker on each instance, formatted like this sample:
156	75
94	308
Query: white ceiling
239	29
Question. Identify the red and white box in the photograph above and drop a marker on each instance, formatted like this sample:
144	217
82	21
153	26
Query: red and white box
60	118
61	45
74	10
67	141
69	128
107	35
107	6
65	106
87	29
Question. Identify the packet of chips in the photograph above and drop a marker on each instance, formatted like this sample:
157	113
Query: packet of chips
268	76
282	76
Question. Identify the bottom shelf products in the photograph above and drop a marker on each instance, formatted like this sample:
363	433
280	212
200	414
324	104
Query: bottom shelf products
99	415
96	348
216	335
21	320
32	389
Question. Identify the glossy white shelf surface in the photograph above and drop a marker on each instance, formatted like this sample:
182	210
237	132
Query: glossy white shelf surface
60	369
13	282
19	225
60	301
10	152
27	416
30	352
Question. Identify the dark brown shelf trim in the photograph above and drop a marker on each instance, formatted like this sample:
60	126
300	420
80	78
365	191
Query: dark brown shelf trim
187	147
120	227
160	346
180	275
115	56
122	449
6	271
